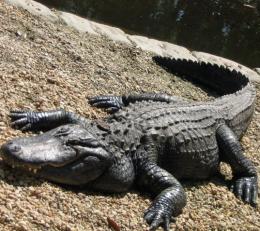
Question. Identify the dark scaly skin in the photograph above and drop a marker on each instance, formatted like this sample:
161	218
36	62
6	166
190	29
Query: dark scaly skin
151	141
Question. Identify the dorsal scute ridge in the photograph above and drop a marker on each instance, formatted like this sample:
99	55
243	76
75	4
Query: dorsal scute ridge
219	77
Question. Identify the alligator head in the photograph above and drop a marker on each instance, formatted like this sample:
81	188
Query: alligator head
68	154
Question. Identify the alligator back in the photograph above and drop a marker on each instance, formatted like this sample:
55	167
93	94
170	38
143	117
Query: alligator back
180	133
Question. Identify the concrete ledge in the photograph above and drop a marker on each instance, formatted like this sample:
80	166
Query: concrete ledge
176	51
113	33
87	26
206	57
161	48
257	70
35	8
147	44
78	23
157	47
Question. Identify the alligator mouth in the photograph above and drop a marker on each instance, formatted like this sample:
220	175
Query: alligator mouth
16	163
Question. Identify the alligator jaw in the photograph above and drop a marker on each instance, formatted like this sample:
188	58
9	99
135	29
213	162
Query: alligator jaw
16	163
33	153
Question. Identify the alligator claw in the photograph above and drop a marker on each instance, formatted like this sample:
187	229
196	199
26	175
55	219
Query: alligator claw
18	114
23	120
110	103
19	122
158	215
245	188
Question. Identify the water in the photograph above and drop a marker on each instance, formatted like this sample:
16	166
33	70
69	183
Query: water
227	28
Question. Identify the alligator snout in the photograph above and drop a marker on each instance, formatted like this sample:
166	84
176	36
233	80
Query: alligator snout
10	147
10	150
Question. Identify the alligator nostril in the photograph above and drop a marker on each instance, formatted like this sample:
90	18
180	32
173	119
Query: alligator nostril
13	147
16	148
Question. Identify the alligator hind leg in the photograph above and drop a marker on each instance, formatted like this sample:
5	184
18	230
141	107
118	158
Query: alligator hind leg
36	121
170	197
244	173
115	103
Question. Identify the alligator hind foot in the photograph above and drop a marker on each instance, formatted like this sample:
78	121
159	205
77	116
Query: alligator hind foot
161	211
109	103
244	184
245	188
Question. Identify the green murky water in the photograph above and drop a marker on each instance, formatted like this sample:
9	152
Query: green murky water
227	28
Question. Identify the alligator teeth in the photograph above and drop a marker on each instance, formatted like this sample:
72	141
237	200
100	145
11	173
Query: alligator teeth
30	169
35	171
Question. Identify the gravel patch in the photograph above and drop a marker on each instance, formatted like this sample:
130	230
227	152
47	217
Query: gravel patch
45	66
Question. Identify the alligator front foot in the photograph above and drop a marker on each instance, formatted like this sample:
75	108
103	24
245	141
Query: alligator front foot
158	214
24	120
109	103
33	121
245	188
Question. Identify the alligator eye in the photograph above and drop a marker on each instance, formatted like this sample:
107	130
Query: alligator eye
63	131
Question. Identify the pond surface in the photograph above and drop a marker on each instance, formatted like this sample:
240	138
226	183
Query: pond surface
227	28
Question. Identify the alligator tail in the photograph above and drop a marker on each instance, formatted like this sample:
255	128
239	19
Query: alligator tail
238	95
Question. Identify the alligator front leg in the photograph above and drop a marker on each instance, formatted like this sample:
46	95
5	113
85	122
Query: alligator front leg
170	196
35	121
115	103
244	173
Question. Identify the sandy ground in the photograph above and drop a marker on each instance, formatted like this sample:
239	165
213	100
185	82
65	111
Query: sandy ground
45	66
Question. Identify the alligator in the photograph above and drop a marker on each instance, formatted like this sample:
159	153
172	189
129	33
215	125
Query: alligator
150	141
